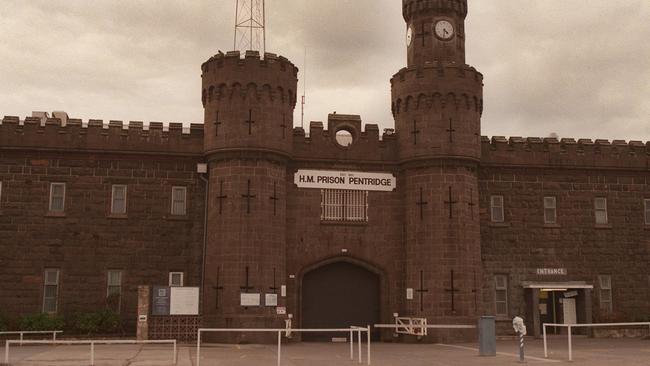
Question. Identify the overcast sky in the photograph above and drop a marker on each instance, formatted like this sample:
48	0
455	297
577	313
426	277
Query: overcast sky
579	68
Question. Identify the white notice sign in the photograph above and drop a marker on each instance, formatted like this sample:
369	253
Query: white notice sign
409	294
359	181
250	299
551	271
271	300
184	301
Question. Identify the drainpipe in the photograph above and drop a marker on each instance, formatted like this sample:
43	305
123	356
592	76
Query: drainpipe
205	237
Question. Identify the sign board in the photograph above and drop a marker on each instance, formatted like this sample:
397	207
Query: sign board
551	271
281	310
142	318
250	299
571	294
271	300
409	294
160	300
184	301
358	181
283	291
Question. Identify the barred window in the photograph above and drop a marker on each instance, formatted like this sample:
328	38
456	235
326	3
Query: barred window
118	199
114	290
600	205
179	201
501	294
57	197
50	291
496	205
176	279
550	210
605	283
344	205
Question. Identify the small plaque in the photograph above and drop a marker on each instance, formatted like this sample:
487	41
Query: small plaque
184	301
409	294
161	300
142	318
250	299
283	291
271	300
281	310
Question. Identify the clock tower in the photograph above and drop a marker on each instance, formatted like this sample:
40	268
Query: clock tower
437	106
435	31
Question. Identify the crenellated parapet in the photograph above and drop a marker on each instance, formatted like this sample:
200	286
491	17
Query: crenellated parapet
566	153
229	76
416	7
100	136
367	146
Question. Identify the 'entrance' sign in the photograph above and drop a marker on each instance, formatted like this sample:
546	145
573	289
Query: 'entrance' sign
358	181
551	271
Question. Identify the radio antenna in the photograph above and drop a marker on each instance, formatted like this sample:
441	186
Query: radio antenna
304	88
250	26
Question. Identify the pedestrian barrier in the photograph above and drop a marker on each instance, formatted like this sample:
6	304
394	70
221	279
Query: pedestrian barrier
23	332
592	325
351	331
92	344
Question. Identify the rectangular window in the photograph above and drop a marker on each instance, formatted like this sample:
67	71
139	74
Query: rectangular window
605	283
114	290
50	291
501	295
496	204
550	210
600	205
57	197
118	199
646	204
344	205
179	201
176	279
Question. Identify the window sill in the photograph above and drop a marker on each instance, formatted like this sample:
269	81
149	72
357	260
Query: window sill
117	216
552	226
177	218
603	226
55	214
344	223
499	224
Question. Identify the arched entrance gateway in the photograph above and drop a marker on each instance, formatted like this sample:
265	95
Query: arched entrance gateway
339	295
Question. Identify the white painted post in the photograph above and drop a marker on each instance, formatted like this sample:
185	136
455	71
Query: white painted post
279	346
545	347
570	349
175	354
21	339
359	340
6	352
368	345
198	348
351	345
92	354
54	336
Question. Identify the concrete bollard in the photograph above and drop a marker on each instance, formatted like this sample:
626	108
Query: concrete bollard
487	336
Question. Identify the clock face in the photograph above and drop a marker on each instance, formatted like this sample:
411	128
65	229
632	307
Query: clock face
444	30
409	36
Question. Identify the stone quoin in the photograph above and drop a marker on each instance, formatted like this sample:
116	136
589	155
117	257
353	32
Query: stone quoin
431	220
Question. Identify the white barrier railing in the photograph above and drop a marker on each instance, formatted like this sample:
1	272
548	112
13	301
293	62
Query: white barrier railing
418	328
23	332
592	325
279	332
92	344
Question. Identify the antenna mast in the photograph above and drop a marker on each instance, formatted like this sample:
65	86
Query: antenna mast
304	87
250	26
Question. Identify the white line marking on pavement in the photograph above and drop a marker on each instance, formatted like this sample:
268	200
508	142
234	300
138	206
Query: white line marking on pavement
500	353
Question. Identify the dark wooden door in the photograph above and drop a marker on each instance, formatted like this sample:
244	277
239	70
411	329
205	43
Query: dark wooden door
339	295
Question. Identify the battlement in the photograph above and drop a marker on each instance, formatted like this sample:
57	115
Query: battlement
97	135
435	86
566	152
410	8
229	75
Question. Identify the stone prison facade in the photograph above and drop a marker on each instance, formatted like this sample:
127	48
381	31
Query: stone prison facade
554	230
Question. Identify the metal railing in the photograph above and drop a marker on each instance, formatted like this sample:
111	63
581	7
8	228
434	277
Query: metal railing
592	325
92	344
23	332
279	332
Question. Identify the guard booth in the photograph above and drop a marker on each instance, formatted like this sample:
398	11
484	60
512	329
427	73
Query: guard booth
166	312
557	302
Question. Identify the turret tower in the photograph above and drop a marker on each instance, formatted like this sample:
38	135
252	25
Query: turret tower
437	106
249	105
